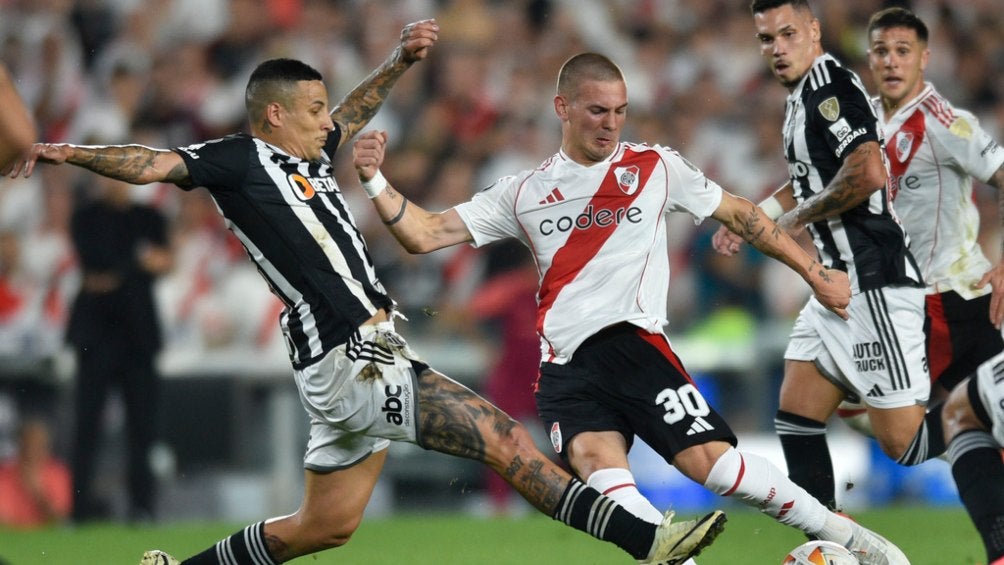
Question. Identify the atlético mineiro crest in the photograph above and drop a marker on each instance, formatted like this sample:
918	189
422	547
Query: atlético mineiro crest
904	143
556	437
627	178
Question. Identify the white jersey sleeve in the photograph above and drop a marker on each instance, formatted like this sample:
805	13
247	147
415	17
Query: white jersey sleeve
490	215
699	196
969	147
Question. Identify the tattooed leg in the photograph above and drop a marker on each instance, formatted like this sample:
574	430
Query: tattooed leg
455	420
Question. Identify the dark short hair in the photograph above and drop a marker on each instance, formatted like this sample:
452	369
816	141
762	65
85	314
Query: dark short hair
898	17
761	6
583	67
274	81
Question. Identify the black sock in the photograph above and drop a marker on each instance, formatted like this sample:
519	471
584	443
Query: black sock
585	509
246	547
979	474
929	441
807	455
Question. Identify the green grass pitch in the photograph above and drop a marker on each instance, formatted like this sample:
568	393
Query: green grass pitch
929	536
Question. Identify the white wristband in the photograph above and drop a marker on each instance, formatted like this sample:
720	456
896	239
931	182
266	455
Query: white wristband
375	185
772	208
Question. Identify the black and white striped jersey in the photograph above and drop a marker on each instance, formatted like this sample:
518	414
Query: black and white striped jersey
828	115
297	228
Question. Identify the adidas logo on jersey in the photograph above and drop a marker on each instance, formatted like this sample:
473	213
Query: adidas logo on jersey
555	196
875	392
700	425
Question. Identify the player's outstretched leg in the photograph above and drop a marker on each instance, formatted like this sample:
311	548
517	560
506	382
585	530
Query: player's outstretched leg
757	482
455	420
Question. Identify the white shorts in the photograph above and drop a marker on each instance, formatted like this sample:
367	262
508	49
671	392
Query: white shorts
359	397
990	383
878	356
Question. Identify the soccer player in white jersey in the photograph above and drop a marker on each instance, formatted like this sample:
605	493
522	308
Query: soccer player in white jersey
594	218
837	190
935	151
359	382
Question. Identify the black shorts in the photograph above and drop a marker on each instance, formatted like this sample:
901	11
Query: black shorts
627	380
959	336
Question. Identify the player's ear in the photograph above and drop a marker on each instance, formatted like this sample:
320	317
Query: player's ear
561	107
274	114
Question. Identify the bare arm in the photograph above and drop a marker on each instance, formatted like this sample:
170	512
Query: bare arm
17	127
862	173
418	230
726	242
742	217
134	164
362	103
995	276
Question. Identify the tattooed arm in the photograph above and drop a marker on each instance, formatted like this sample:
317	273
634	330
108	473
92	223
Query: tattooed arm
995	276
862	173
134	164
741	216
361	104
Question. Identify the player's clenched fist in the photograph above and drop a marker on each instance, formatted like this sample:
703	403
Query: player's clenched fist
368	153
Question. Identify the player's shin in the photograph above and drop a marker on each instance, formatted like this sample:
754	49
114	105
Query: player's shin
759	483
979	471
807	455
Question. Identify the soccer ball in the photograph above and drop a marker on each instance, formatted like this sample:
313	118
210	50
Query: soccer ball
820	553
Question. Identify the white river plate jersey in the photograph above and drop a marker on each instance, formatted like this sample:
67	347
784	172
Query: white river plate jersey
598	236
935	150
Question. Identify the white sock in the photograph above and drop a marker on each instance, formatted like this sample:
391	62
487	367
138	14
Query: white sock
619	485
759	483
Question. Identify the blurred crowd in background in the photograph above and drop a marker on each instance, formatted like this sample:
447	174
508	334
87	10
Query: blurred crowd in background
167	73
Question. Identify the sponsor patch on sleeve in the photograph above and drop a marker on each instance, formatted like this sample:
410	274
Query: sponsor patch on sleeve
840	129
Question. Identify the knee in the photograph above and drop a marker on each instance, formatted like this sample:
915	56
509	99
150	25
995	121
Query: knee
696	462
957	415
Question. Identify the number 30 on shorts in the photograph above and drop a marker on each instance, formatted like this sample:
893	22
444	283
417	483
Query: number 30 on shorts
684	401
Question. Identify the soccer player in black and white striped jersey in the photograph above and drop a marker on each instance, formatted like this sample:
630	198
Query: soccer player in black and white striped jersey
838	192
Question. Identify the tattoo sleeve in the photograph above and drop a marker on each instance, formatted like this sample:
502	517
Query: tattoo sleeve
362	103
455	420
130	163
852	185
756	229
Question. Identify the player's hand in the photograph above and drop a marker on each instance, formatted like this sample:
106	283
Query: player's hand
995	278
55	154
368	153
417	38
726	242
832	289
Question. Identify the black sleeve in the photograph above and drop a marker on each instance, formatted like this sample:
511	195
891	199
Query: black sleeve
841	113
220	164
334	138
